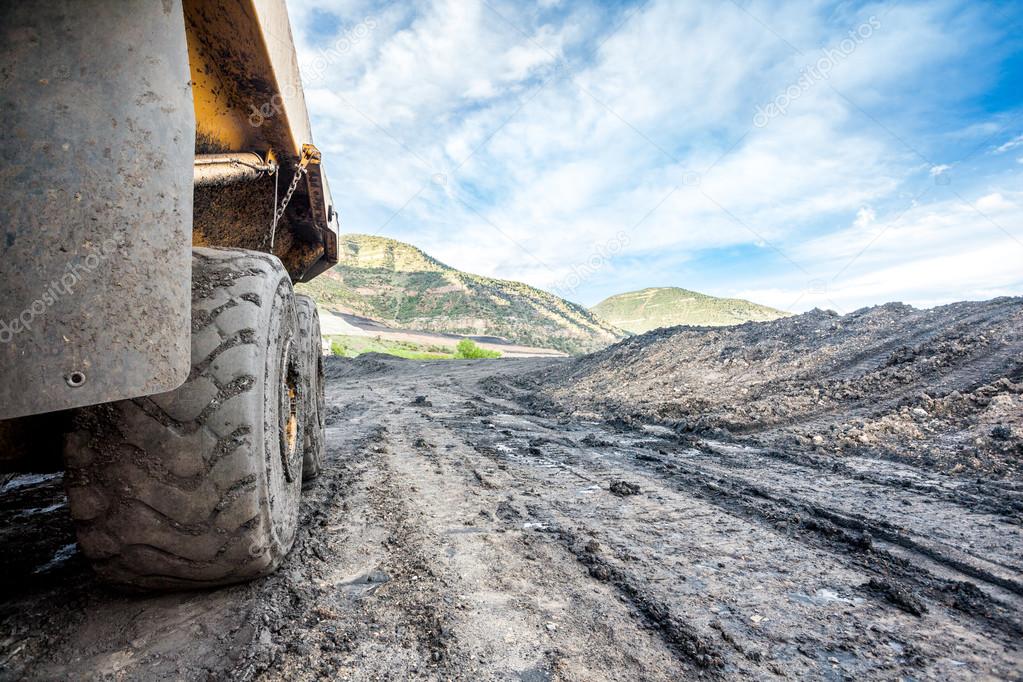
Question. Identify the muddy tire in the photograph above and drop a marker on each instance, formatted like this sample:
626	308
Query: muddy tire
200	486
312	376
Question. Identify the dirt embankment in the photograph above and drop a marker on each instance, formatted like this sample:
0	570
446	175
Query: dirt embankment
939	388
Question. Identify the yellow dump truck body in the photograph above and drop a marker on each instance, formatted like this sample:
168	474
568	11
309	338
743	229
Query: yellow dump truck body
248	97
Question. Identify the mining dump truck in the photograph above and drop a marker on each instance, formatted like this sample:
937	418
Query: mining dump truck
159	196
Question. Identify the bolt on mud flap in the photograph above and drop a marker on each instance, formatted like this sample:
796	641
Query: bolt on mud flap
96	150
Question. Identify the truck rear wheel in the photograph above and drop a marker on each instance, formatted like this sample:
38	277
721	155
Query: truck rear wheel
200	486
309	339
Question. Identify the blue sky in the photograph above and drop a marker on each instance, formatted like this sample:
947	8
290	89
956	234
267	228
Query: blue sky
800	154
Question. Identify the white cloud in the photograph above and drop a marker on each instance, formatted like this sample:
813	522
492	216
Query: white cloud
1011	144
995	203
543	163
865	217
932	254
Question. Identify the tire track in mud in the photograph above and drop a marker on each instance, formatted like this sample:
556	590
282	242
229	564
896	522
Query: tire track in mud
684	640
996	496
848	538
845	532
506	592
855	538
728	477
284	607
1002	498
368	603
696	651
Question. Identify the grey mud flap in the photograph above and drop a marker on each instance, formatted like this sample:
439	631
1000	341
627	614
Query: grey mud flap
96	152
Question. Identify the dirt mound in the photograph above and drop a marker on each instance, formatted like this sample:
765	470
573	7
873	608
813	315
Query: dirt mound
364	365
939	388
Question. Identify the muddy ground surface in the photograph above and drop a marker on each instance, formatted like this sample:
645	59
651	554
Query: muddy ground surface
468	527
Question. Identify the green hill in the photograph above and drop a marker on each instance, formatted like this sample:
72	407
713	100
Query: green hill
641	311
399	285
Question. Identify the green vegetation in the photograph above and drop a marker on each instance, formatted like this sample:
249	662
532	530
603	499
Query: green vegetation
641	311
352	346
468	350
401	286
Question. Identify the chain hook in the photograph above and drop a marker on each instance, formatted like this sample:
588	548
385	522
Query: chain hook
310	154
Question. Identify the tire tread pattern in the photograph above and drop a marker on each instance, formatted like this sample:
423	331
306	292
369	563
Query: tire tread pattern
168	491
309	338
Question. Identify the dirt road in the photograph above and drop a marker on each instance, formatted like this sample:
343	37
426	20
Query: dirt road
459	534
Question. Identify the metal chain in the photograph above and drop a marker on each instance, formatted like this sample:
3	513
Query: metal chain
300	170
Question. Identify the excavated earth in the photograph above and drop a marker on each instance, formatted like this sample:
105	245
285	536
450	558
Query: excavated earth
819	497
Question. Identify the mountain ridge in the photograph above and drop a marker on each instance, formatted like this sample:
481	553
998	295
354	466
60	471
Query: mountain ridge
403	286
654	307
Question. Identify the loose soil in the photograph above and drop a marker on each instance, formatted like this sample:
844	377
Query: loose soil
544	519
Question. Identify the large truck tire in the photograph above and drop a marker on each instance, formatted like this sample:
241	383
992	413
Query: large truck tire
201	486
311	346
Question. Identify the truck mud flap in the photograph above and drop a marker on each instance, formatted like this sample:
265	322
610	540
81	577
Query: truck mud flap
96	151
